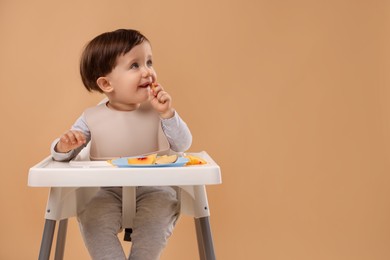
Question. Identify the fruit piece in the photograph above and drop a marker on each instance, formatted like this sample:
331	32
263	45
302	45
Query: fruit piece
165	159
149	159
195	160
154	85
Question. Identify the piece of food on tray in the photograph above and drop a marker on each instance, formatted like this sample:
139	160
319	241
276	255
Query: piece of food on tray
166	159
195	160
148	159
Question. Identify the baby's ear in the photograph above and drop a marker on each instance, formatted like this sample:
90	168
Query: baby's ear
104	84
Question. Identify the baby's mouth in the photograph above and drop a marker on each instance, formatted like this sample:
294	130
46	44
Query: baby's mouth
145	85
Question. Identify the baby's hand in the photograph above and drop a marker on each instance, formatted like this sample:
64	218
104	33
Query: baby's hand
70	140
161	101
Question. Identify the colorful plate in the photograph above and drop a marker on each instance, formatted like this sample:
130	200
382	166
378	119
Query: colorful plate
123	162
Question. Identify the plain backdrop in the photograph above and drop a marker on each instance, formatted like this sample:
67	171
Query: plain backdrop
290	98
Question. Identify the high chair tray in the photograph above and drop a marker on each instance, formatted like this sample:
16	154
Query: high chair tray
50	173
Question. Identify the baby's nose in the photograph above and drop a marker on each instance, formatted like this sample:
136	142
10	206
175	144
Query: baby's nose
147	72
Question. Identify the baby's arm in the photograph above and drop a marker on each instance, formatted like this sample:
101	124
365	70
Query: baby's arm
177	133
72	142
175	129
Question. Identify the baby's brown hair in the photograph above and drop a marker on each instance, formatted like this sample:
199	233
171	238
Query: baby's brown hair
100	54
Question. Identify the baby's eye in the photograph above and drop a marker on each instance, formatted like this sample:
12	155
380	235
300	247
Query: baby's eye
134	66
149	63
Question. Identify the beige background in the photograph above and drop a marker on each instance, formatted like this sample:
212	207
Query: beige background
291	98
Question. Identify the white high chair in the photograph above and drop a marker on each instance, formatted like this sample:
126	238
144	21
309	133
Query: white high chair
72	185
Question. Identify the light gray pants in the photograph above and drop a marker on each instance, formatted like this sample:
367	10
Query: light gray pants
157	211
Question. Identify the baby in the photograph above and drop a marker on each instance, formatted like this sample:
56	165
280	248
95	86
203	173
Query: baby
137	119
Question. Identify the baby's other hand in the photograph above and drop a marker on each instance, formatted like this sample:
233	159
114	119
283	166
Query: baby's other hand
70	140
161	101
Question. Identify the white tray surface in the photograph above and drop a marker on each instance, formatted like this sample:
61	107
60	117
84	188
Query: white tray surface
50	173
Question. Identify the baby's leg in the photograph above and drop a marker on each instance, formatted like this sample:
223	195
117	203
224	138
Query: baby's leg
158	209
100	223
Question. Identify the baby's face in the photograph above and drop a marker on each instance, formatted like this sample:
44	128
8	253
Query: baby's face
132	77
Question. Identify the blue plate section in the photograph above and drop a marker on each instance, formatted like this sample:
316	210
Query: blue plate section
122	162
